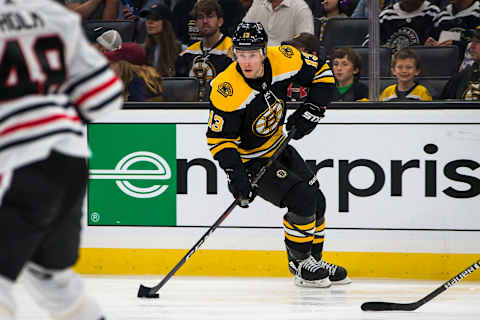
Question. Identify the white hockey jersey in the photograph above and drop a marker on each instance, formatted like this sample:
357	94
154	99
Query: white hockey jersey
52	81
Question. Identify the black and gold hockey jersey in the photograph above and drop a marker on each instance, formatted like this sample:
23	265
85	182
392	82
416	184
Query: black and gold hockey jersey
204	64
247	115
400	29
416	93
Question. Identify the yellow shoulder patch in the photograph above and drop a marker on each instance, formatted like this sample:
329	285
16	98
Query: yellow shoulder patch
229	91
285	60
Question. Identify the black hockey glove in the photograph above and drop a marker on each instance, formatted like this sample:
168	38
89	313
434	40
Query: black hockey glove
240	186
305	119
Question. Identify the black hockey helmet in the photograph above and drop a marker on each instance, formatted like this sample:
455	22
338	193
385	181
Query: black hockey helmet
250	36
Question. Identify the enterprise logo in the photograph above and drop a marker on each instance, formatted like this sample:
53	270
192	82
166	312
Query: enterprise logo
123	175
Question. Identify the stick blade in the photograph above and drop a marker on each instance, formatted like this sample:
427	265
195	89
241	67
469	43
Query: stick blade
388	306
146	292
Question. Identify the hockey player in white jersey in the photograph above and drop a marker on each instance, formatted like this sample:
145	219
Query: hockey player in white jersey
52	82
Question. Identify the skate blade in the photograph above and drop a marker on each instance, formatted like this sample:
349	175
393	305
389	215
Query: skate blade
322	283
344	281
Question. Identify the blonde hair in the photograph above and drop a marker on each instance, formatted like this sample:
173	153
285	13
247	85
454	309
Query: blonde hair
126	71
169	50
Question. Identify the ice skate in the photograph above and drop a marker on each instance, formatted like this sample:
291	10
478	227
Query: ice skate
308	273
337	274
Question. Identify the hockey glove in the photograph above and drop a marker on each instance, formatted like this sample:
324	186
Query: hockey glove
239	185
305	119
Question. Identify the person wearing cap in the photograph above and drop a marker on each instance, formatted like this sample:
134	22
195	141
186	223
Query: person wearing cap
465	85
95	9
160	44
142	82
109	40
206	58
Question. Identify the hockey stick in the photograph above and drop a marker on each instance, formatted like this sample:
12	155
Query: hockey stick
391	306
147	292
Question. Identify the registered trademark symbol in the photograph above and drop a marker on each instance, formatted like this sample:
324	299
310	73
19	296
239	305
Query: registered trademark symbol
95	217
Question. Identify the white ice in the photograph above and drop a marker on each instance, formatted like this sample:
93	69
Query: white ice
213	298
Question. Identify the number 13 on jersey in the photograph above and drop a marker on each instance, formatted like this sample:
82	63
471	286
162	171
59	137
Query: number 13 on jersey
215	122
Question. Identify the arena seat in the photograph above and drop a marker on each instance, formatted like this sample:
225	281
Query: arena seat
126	28
181	89
385	59
342	32
437	61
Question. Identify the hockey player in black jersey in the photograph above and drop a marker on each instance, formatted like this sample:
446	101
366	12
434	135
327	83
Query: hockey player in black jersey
246	126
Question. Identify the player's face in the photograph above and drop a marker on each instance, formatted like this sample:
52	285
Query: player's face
344	71
251	62
154	26
475	49
405	70
208	24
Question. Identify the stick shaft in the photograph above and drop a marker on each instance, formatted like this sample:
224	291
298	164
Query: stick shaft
224	215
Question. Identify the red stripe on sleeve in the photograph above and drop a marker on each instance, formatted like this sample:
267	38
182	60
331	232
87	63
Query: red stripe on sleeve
39	122
96	90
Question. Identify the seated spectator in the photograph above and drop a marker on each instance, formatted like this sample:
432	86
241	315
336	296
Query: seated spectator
210	56
95	9
407	23
185	25
330	9
161	45
405	67
282	19
346	69
465	85
142	82
452	25
102	38
307	43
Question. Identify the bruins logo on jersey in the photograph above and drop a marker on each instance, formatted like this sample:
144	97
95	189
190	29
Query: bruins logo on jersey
203	70
267	122
472	92
225	89
286	51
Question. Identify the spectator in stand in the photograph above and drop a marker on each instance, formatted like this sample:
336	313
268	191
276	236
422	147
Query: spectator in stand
465	85
407	23
405	67
330	9
103	39
210	56
452	25
308	44
161	45
185	25
282	19
347	65
95	9
142	82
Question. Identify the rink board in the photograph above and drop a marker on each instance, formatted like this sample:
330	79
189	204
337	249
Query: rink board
376	206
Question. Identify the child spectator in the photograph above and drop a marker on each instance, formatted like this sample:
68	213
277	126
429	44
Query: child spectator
346	69
405	67
142	82
161	44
